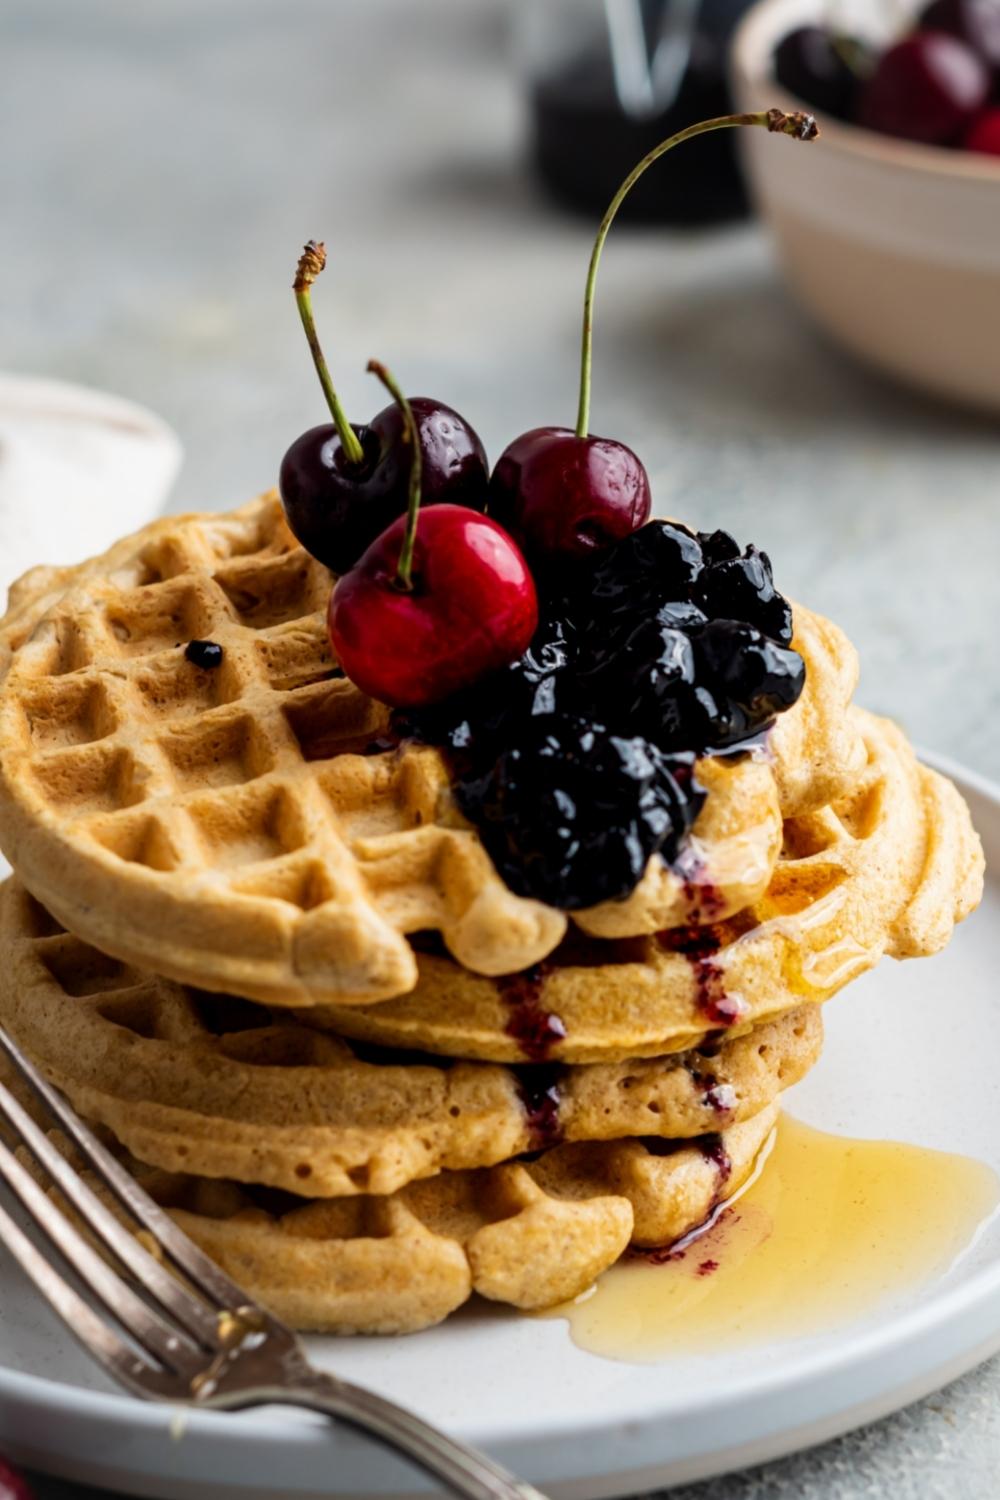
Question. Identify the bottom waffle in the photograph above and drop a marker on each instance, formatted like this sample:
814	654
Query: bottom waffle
529	1233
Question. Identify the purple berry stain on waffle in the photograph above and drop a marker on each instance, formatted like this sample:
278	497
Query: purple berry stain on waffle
536	1030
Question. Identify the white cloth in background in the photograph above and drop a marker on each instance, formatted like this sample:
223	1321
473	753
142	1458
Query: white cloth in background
78	469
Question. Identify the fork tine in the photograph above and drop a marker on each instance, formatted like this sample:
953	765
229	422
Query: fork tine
93	1333
144	1325
203	1273
192	1314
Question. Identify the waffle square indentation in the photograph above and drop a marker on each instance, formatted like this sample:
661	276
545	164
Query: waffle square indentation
160	617
101	778
298	657
217	751
302	883
139	840
251	826
176	689
334	719
80	970
275	591
66	712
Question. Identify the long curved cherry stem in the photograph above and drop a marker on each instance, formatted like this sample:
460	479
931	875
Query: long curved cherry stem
404	568
311	263
801	127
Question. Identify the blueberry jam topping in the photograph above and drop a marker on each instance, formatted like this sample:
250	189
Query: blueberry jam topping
205	654
576	763
700	946
541	1095
536	1030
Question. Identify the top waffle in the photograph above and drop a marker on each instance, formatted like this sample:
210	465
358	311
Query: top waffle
247	829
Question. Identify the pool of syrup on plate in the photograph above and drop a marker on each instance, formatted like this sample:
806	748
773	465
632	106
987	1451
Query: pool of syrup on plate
828	1229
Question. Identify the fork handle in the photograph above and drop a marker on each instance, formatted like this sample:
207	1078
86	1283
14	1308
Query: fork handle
464	1470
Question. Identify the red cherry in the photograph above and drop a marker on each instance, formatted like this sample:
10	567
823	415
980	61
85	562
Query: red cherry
472	609
927	88
984	133
439	600
561	496
12	1486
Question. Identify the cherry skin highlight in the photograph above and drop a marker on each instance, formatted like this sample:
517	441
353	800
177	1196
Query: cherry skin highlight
472	609
336	509
928	88
564	497
976	22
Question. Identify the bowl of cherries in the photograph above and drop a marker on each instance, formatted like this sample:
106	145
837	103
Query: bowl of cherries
890	236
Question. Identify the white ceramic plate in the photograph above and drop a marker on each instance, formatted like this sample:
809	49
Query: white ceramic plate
910	1056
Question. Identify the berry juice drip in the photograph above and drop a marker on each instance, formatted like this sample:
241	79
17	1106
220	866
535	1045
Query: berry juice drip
535	1030
826	1232
700	946
540	1092
703	897
713	1149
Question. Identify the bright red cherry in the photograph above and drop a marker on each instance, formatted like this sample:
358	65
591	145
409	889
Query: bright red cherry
563	496
566	495
974	21
12	1486
342	484
927	88
431	608
984	133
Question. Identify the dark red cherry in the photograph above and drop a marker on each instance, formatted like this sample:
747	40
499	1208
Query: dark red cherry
564	494
342	485
472	609
976	22
12	1486
563	497
927	88
337	509
983	134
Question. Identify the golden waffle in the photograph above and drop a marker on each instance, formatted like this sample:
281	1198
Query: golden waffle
888	869
217	1087
222	827
530	1234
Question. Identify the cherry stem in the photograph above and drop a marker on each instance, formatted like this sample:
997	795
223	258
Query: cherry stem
404	568
801	127
311	263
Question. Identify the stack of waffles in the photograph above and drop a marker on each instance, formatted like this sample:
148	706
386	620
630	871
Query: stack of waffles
253	939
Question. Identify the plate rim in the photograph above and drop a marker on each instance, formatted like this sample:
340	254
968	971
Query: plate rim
57	1398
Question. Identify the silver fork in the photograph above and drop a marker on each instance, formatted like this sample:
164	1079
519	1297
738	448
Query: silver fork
216	1350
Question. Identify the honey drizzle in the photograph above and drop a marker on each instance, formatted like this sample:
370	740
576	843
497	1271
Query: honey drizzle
828	1230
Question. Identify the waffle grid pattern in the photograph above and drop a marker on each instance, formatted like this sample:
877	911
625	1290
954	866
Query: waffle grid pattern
249	781
219	1087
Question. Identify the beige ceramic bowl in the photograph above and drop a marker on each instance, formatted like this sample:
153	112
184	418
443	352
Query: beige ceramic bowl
893	248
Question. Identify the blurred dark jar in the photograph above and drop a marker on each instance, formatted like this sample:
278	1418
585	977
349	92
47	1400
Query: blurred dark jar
608	81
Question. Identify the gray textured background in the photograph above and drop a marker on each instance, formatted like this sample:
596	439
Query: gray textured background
161	164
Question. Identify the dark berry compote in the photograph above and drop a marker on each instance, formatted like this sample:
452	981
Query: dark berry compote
577	763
